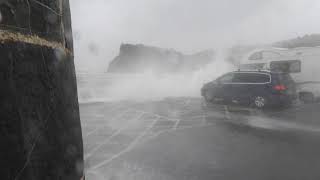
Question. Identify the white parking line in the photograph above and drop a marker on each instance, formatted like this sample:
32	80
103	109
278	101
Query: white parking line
155	135
176	124
129	147
110	137
197	117
227	113
157	115
99	128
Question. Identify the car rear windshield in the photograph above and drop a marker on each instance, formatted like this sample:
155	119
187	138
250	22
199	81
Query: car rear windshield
251	78
284	79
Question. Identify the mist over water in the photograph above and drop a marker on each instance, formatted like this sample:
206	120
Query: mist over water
149	85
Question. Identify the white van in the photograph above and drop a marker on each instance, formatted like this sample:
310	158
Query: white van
302	63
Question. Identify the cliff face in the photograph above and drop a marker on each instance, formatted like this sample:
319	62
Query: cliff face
141	58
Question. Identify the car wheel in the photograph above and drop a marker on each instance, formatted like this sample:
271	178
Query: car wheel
260	102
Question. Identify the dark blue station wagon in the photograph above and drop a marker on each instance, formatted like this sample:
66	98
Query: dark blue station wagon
253	88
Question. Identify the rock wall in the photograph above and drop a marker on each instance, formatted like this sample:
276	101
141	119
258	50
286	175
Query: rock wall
39	113
141	58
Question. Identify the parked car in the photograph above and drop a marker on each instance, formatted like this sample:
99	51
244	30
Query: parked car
301	63
254	88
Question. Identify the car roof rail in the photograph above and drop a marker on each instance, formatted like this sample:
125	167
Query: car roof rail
253	70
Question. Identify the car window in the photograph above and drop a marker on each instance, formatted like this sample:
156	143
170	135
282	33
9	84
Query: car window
292	66
258	78
226	78
285	79
250	78
240	78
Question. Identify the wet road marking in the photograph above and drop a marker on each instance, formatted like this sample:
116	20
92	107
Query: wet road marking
169	130
157	115
102	127
176	124
236	115
129	147
110	137
86	120
227	113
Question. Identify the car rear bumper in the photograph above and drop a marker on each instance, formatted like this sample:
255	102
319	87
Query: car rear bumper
282	99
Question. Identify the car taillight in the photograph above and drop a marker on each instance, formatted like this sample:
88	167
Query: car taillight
280	87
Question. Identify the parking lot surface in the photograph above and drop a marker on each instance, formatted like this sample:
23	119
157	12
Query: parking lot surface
179	138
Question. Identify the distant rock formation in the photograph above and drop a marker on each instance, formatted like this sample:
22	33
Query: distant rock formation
141	58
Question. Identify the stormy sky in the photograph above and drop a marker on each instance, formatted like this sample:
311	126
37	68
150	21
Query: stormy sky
100	26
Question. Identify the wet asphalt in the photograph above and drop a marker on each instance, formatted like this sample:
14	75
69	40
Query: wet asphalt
180	139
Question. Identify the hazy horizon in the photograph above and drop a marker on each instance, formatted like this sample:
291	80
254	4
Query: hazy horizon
100	26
